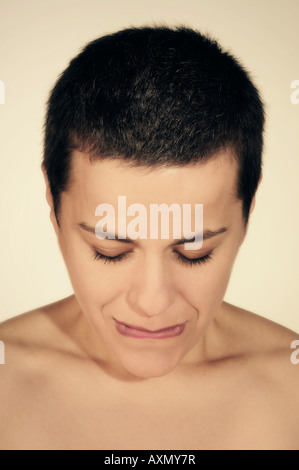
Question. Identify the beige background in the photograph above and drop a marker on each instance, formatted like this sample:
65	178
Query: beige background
38	38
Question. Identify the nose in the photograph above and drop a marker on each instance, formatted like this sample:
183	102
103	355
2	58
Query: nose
151	290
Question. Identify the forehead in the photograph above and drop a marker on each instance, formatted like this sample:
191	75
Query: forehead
103	181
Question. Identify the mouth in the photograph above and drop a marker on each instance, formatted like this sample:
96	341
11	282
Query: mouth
137	332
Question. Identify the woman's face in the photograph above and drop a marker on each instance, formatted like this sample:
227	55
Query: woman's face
152	286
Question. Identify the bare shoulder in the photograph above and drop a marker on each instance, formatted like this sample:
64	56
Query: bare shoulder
43	327
37	346
260	334
31	340
270	350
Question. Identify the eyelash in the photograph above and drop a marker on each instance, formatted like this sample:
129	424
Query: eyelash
182	259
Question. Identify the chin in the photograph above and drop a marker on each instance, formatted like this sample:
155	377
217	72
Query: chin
148	373
149	367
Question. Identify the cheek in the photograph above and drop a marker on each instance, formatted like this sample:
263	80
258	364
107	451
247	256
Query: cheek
204	286
93	282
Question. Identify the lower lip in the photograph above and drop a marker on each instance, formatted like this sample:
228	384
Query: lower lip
131	332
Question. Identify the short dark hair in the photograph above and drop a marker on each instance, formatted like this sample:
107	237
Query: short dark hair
154	96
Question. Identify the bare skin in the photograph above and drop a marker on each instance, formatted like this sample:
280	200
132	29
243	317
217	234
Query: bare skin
55	395
72	381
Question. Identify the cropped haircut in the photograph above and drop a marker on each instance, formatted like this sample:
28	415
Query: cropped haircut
154	96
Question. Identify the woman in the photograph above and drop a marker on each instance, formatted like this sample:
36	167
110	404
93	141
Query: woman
146	354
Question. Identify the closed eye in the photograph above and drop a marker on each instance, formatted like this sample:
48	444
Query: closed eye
110	259
194	261
181	258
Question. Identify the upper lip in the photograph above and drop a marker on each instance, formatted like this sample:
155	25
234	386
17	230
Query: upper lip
144	329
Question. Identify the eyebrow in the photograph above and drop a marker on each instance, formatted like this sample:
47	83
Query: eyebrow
206	235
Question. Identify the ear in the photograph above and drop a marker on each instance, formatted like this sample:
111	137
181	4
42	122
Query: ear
50	200
251	210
